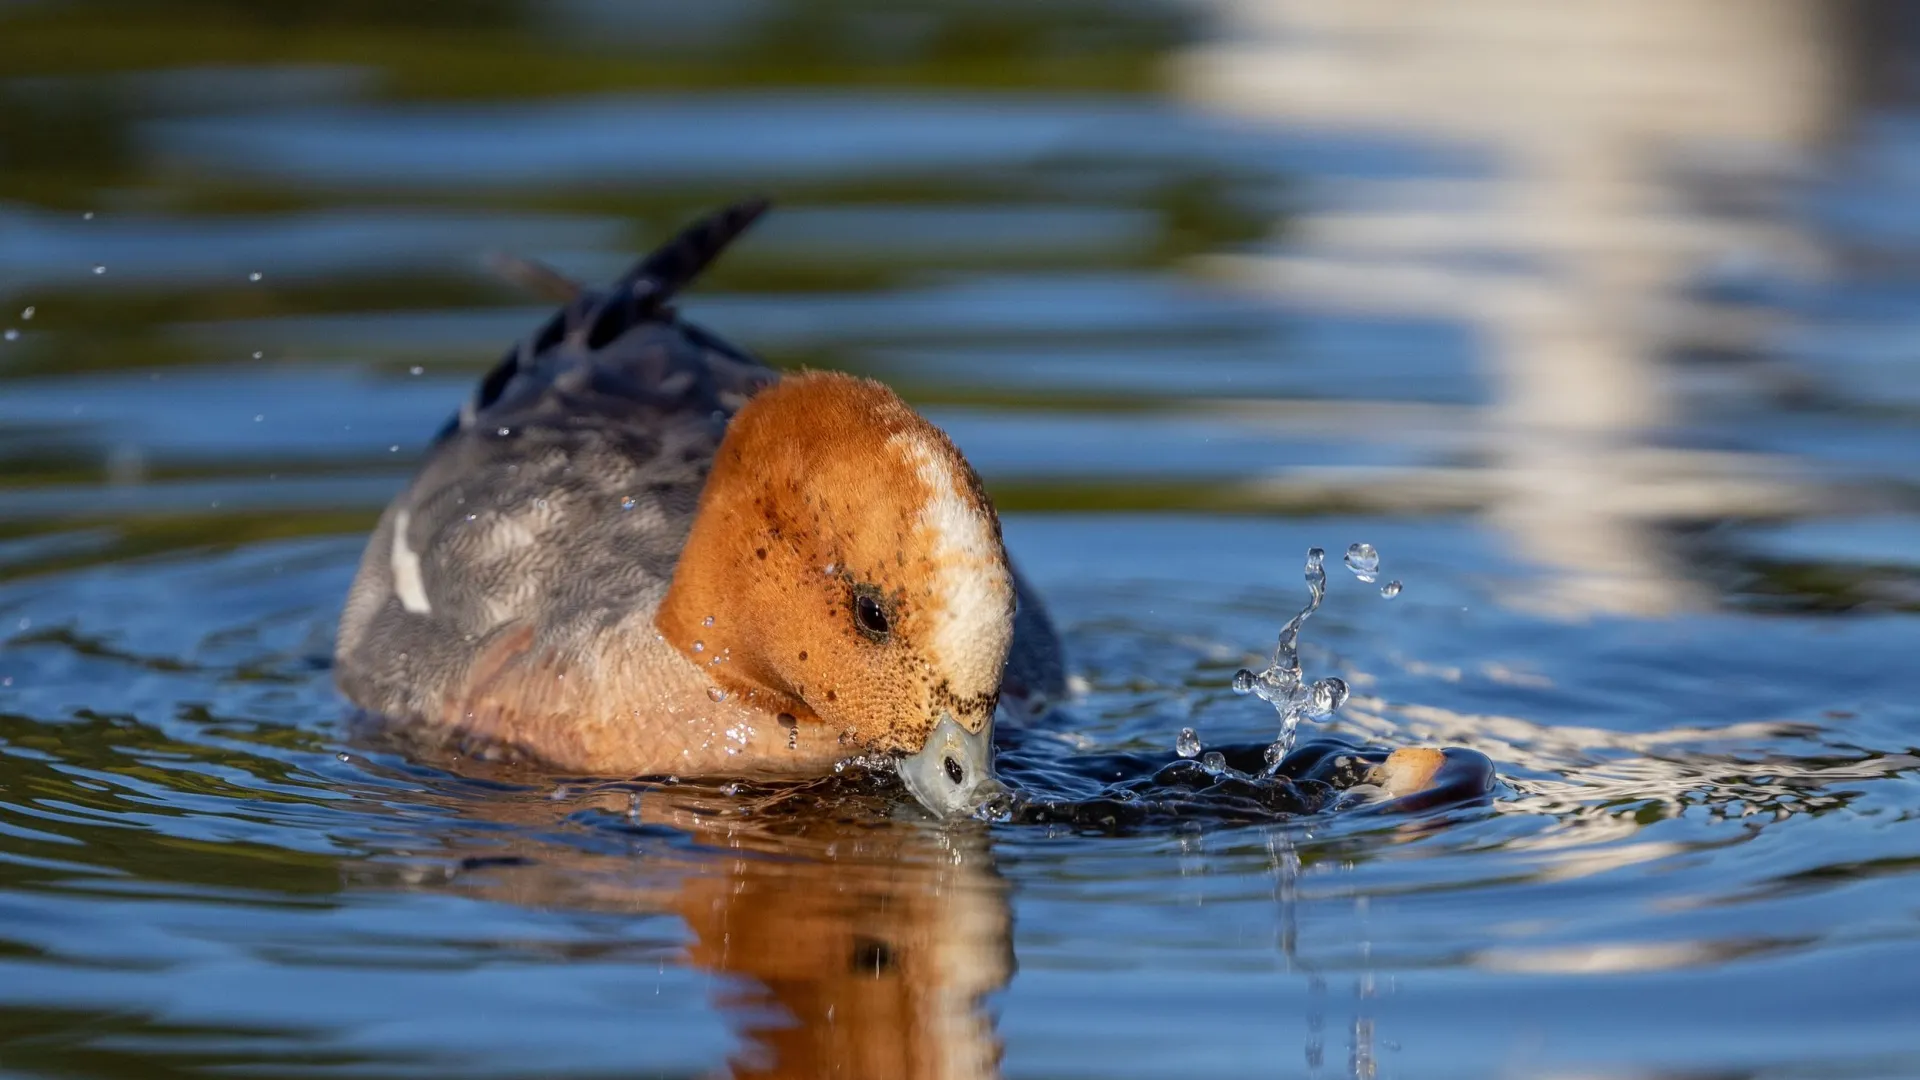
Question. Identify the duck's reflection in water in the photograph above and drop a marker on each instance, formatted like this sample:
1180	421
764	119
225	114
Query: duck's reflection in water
867	957
848	944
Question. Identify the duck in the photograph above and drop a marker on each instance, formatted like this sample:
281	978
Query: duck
637	549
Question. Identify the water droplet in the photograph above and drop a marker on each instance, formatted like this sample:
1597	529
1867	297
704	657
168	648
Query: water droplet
1390	590
394	449
627	503
714	693
100	268
699	646
633	806
559	793
504	432
258	417
11	334
1213	761
1328	695
1273	755
1188	744
88	216
257	354
708	621
1243	681
255	276
1364	561
342	755
27	313
416	370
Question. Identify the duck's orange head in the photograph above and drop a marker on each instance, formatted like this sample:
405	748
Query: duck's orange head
847	566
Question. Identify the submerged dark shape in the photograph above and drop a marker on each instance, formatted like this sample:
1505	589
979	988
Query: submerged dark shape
1117	792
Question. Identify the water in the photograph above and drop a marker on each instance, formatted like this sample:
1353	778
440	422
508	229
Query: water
1364	561
1187	745
1621	382
1281	684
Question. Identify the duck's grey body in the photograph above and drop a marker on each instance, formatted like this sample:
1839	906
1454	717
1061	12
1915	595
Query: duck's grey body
551	512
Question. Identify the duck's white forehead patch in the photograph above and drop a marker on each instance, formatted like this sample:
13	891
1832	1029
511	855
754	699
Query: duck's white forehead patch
972	624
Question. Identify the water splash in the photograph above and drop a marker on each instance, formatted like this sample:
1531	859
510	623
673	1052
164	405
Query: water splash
1281	684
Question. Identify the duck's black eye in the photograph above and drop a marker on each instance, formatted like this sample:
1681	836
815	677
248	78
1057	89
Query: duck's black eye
871	616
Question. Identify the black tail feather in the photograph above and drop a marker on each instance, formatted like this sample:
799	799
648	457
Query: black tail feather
598	318
674	264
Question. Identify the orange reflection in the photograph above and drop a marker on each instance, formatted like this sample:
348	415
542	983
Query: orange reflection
853	945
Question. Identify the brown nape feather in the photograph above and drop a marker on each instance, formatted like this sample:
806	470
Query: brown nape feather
828	488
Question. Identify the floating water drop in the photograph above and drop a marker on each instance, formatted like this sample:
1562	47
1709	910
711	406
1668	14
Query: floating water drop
1188	744
100	268
26	315
88	216
1213	761
699	646
708	621
1328	695
1364	561
1243	681
11	334
1390	590
255	276
714	693
633	806
416	370
342	755
257	354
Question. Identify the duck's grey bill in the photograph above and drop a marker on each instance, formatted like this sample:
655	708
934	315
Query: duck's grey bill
953	775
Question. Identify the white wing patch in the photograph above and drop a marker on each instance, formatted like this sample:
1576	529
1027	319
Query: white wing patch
406	570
